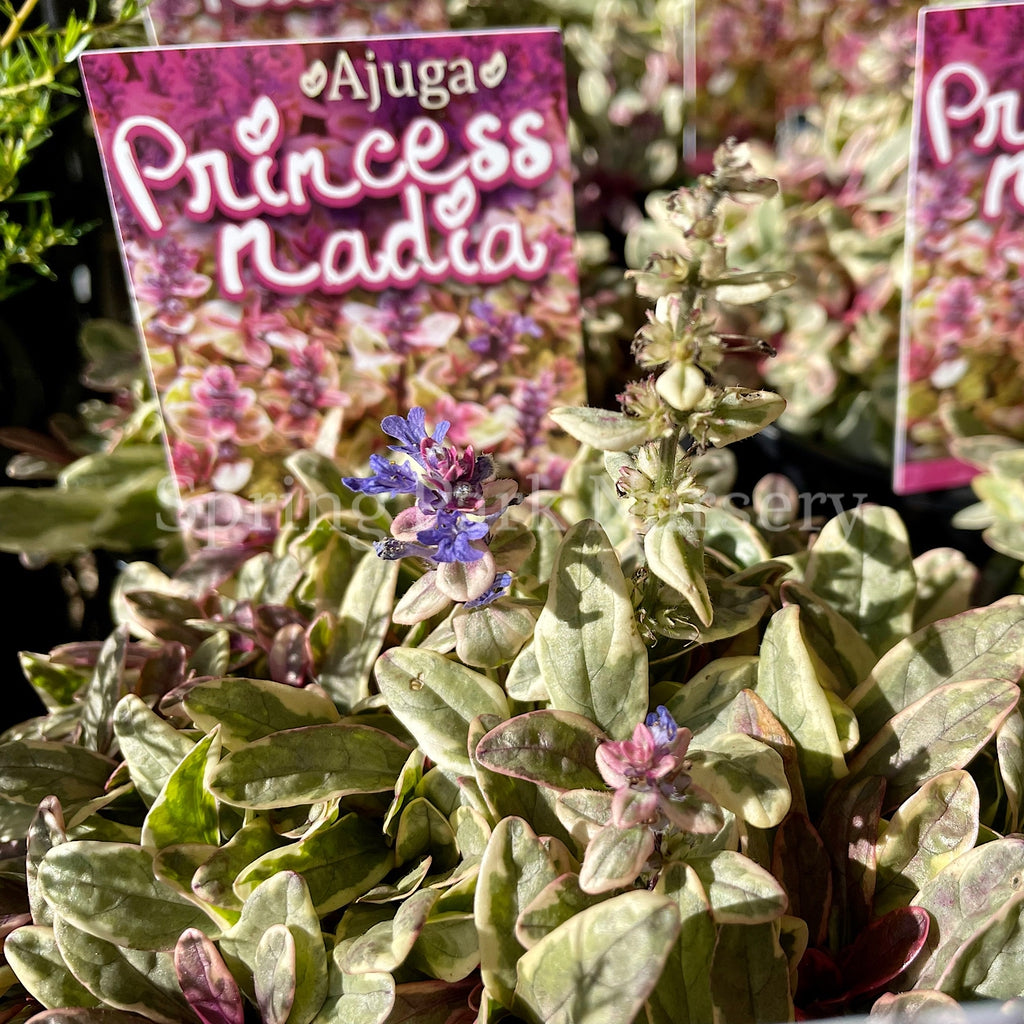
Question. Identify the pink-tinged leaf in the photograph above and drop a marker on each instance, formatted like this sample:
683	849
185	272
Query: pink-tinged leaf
801	863
849	828
557	749
884	949
206	981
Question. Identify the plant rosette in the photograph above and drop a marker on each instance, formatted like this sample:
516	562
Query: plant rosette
620	752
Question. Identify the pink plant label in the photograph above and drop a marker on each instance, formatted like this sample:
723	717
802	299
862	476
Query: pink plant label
962	339
318	235
216	21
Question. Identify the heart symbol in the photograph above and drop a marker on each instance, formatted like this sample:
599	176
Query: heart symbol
493	71
452	209
258	132
313	79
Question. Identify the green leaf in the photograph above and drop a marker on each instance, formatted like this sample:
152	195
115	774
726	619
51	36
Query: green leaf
151	747
750	974
728	535
515	867
987	965
674	549
551	748
603	429
711	690
447	948
102	691
941	731
338	863
493	635
33	954
214	880
422	828
281	900
552	906
308	765
600	966
615	857
249	709
738	413
588	647
984	643
946	581
932	827
1010	755
363	620
109	890
788	683
436	699
356	998
274	975
683	992
31	770
745	776
738	890
861	564
386	945
45	832
185	811
839	646
962	899
136	980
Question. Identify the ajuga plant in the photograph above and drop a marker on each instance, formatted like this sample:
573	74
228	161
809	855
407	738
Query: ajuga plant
424	749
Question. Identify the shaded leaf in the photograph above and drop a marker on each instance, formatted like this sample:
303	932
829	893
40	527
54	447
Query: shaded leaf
862	565
788	683
738	890
930	828
750	974
941	731
615	857
674	549
984	643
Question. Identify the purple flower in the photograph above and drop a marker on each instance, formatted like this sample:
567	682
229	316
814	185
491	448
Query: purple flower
458	499
388	478
649	775
412	431
499	588
453	534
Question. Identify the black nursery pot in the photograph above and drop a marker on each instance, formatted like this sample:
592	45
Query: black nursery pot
830	484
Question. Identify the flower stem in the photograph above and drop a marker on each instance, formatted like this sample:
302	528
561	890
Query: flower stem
16	24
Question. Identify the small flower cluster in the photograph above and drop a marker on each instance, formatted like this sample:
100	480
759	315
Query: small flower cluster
649	774
457	500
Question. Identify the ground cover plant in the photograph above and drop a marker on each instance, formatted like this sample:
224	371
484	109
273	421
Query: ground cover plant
413	746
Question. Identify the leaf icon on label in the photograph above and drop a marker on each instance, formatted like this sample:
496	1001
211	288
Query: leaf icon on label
492	71
452	209
257	132
313	79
